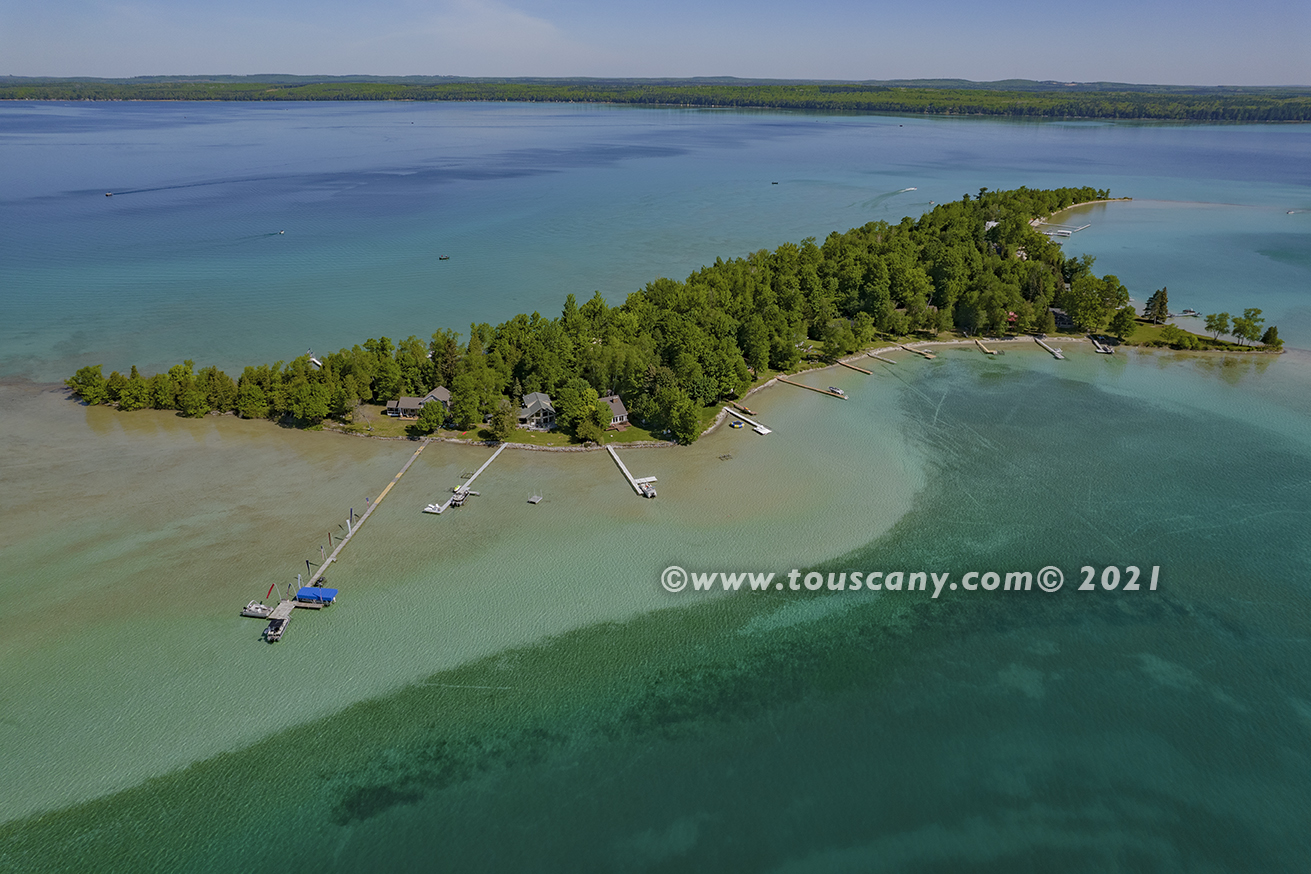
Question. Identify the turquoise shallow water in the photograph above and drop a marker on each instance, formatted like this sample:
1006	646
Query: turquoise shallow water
509	687
835	731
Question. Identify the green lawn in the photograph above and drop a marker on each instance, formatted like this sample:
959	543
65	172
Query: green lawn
1148	334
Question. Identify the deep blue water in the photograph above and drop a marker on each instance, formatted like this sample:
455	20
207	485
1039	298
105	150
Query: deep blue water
1152	731
534	202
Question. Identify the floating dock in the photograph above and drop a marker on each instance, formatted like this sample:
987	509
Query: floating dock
1056	353
854	367
928	355
641	486
461	492
755	426
985	348
822	391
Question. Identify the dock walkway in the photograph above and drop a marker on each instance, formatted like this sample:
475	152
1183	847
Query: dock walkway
854	367
985	348
880	358
462	491
352	528
758	428
641	486
928	355
1056	353
822	391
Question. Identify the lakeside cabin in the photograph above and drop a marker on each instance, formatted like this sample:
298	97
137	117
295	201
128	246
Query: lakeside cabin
618	413
409	408
537	414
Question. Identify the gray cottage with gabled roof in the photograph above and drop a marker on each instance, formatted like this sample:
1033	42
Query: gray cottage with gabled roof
537	412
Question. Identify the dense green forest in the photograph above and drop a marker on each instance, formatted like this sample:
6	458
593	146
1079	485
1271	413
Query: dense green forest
674	348
1258	104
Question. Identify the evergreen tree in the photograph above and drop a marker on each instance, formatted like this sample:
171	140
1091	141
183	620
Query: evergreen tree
505	421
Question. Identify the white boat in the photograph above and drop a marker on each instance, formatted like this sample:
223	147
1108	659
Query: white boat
837	391
257	610
433	508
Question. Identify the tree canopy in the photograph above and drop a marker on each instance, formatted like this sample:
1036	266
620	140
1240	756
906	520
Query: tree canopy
674	347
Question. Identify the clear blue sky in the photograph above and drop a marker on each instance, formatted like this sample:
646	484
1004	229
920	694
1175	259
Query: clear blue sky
1204	42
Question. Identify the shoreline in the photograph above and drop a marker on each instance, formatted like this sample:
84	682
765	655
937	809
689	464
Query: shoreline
722	414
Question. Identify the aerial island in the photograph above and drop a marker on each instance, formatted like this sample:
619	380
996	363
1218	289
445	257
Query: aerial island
663	361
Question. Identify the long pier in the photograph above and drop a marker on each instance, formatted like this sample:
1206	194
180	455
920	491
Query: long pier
462	491
1056	353
822	391
641	486
759	428
985	348
854	367
880	358
352	528
928	355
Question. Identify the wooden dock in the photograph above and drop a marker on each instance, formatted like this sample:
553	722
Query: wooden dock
822	391
1056	353
352	528
985	348
459	493
880	358
854	367
1104	348
641	486
928	355
757	427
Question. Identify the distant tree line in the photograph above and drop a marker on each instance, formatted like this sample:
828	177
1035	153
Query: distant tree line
674	348
1262	105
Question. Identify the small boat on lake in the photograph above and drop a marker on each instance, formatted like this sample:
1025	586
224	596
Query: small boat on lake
257	610
837	391
443	257
274	632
